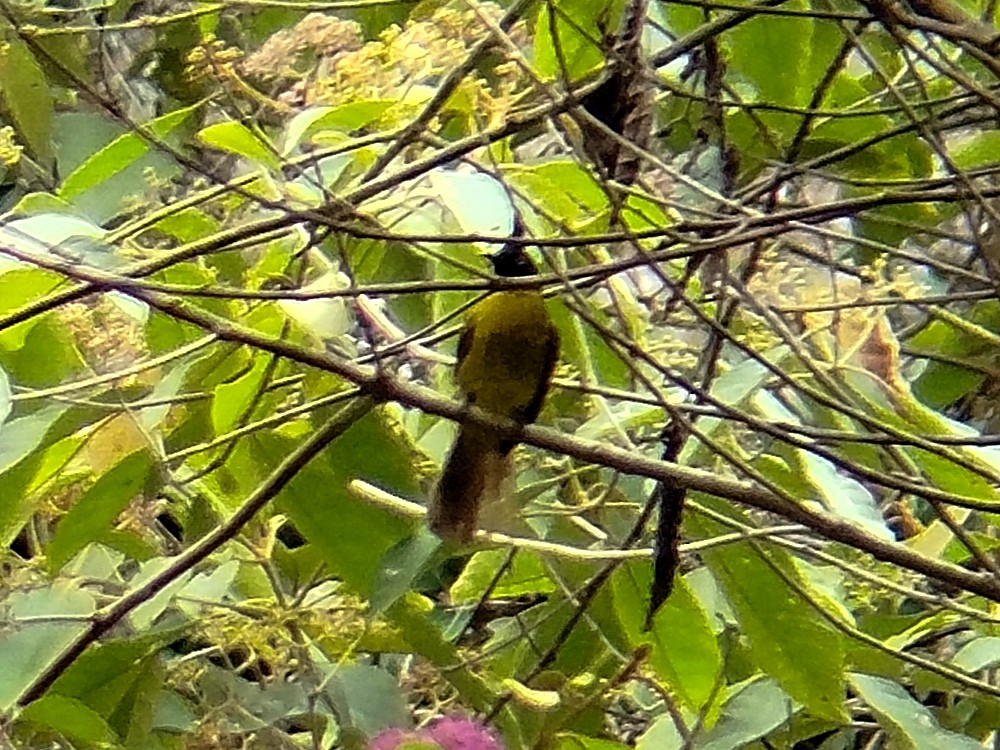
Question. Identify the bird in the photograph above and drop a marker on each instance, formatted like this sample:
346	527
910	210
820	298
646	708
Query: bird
507	351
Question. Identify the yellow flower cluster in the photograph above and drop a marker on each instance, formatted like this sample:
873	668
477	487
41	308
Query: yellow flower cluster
108	339
10	149
327	64
212	60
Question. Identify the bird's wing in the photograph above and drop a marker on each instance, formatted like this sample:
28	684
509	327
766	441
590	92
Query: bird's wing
531	411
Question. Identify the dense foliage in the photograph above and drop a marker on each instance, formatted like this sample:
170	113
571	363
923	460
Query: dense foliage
238	239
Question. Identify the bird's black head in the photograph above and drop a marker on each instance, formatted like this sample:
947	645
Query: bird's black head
511	260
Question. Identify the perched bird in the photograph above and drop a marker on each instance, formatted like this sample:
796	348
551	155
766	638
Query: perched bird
506	355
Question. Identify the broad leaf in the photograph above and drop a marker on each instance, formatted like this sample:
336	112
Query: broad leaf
910	724
96	510
231	400
27	649
238	139
788	638
684	653
352	535
26	95
69	717
120	153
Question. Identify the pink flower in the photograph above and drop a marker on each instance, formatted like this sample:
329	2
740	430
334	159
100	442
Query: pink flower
445	733
389	739
397	739
462	733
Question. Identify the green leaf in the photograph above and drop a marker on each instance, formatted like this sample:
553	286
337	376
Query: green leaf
69	717
892	225
706	590
760	49
526	575
585	348
352	535
564	188
142	617
238	139
214	586
950	477
941	384
661	735
21	439
120	153
906	412
133	716
68	53
26	97
978	151
572	39
79	133
40	232
18	287
751	711
569	741
584	652
733	388
107	674
250	706
381	261
174	714
323	318
312	186
168	386
231	400
308	125
979	654
958	340
788	638
400	566
5	398
684	652
188	224
847	95
626	415
739	383
680	19
377	17
910	724
27	649
40	203
61	358
100	505
372	697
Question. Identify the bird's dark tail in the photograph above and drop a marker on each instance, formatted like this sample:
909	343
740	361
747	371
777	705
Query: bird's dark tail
473	474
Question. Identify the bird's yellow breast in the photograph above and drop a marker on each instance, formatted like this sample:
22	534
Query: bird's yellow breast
508	352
